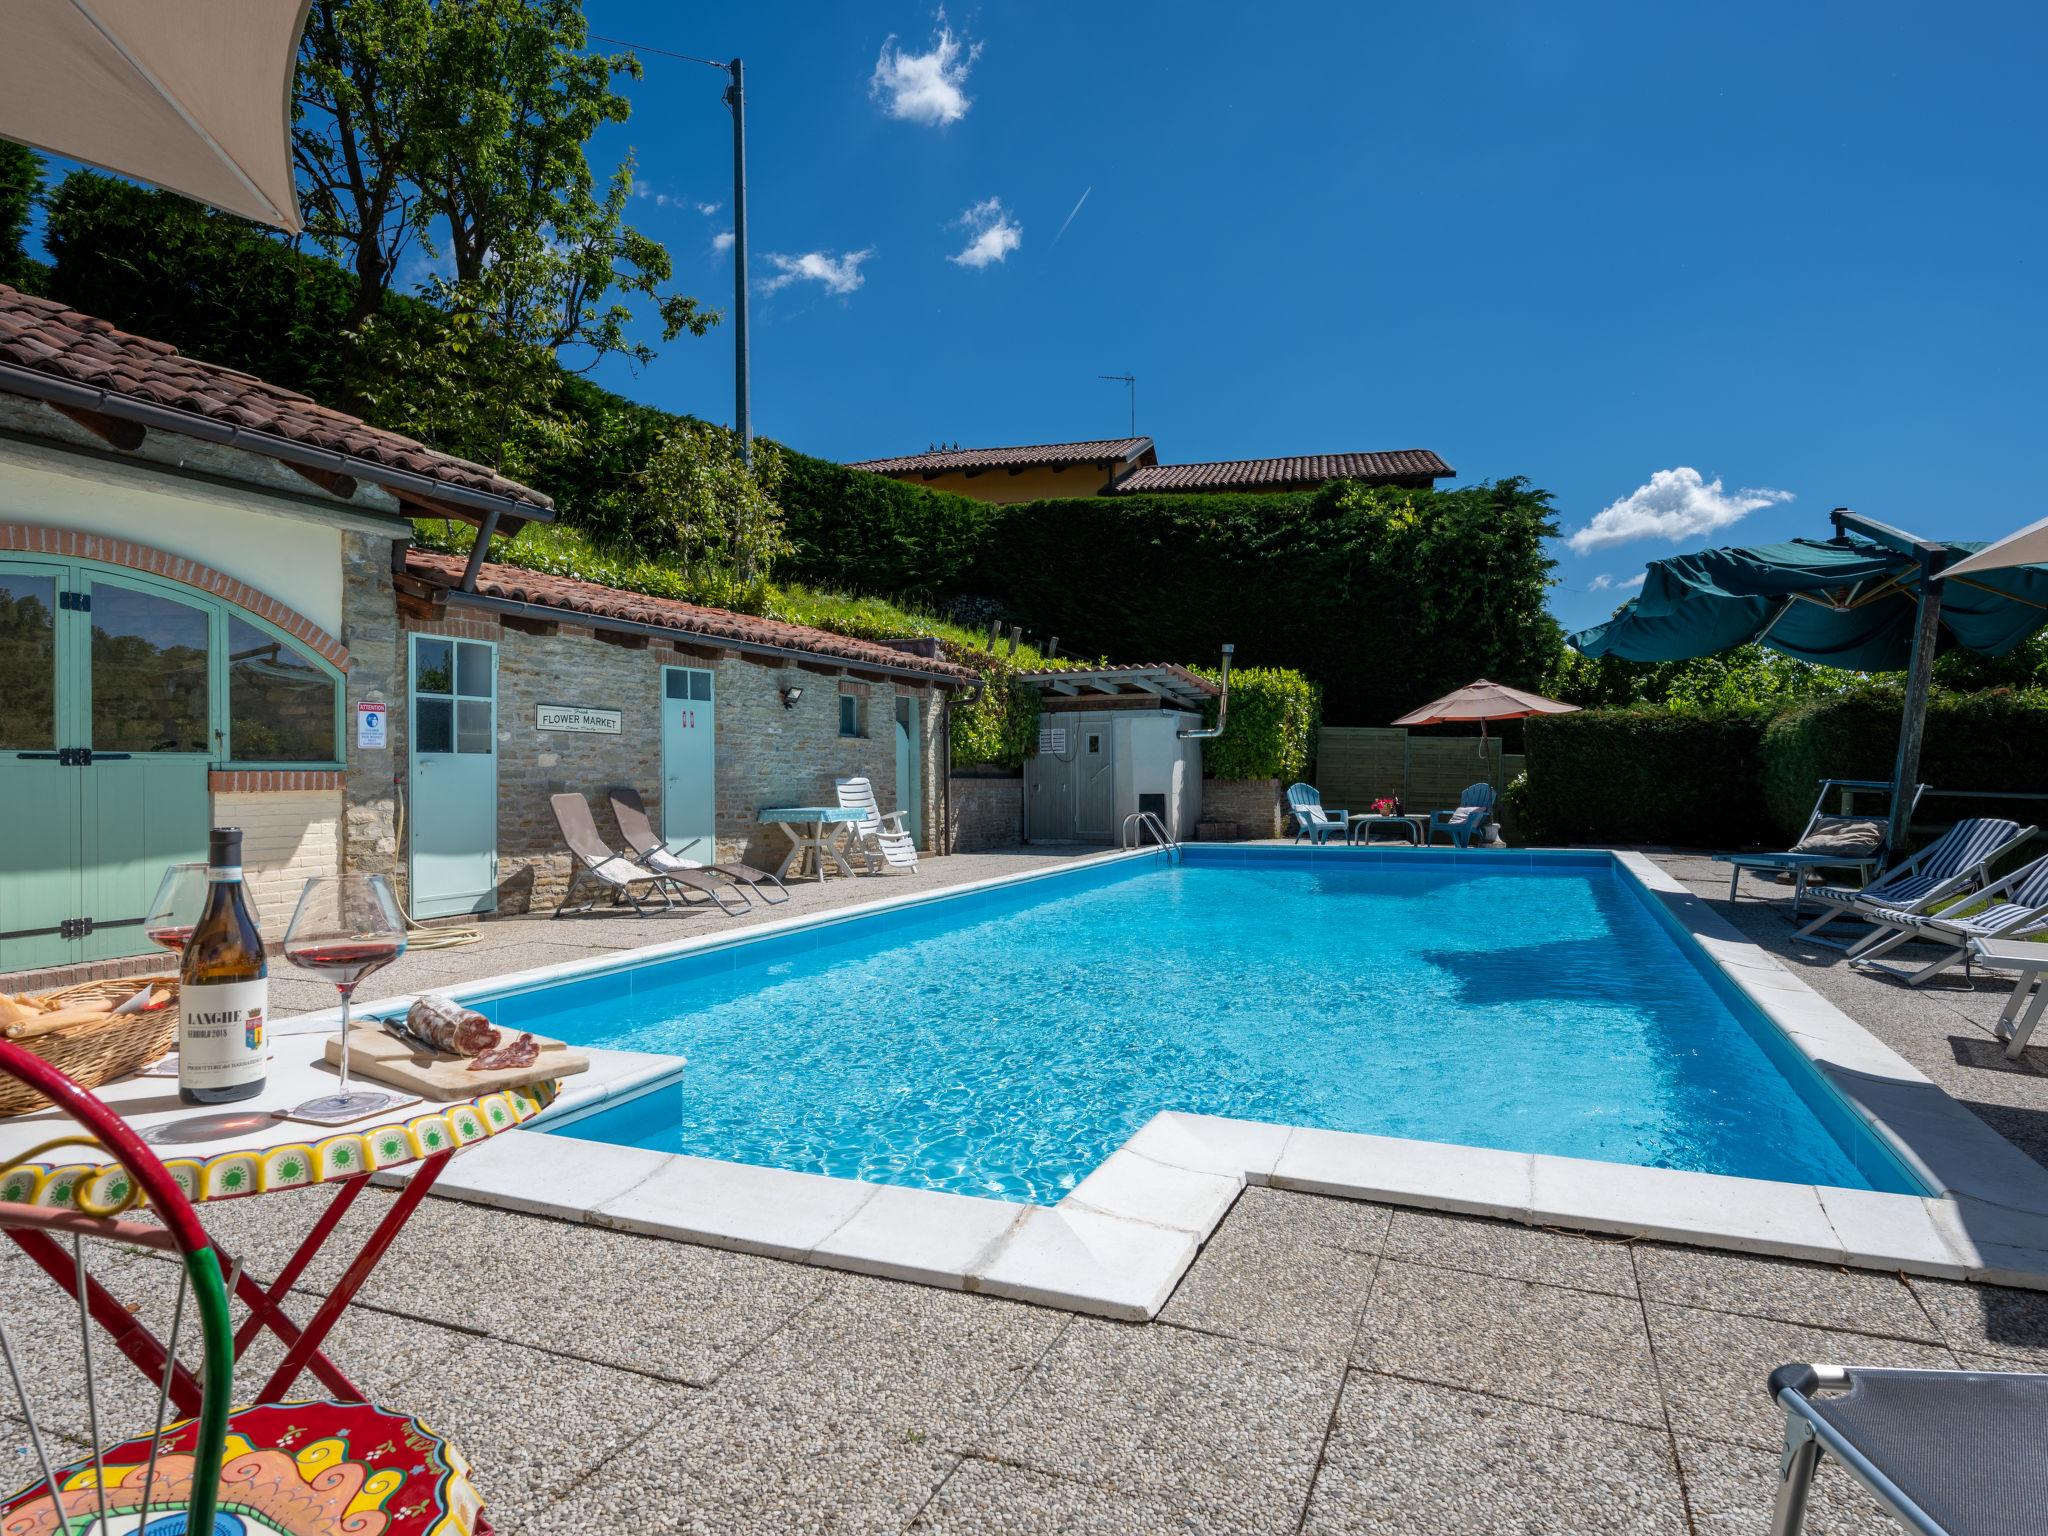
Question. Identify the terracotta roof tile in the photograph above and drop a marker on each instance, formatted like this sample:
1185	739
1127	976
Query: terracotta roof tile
1308	469
514	584
48	337
1028	456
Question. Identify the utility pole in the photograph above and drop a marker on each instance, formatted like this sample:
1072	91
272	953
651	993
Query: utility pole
743	413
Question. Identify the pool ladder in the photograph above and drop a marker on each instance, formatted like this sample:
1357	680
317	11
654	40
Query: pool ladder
1138	823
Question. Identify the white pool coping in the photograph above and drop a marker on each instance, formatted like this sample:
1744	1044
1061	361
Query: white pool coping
1119	1242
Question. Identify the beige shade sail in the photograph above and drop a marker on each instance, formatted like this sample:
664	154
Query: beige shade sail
2027	547
191	95
1483	701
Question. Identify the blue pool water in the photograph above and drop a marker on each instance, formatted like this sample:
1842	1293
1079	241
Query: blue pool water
1005	1042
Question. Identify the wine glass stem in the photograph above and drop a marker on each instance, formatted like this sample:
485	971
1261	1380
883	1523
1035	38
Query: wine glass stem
344	991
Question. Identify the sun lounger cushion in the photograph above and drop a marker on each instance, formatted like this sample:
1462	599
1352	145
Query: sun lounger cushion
1852	836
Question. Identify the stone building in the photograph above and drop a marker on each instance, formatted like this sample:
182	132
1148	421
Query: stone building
211	614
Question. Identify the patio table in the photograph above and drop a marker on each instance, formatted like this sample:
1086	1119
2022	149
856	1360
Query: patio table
241	1151
2029	998
1416	828
814	832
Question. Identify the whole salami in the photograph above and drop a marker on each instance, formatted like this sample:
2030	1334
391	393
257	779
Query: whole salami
523	1052
446	1026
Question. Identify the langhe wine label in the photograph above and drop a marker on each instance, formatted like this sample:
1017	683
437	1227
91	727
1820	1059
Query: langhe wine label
221	1044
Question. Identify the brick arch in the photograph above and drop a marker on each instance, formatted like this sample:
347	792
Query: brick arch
69	543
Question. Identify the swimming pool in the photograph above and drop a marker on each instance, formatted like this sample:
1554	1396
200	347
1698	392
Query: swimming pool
1004	1042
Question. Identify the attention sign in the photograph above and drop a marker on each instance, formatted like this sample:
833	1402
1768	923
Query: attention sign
573	717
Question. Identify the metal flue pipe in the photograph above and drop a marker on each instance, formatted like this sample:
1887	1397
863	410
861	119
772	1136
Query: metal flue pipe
1210	733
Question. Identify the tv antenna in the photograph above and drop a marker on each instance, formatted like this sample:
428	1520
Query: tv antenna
1130	384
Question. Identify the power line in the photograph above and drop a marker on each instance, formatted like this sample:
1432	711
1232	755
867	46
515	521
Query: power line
666	53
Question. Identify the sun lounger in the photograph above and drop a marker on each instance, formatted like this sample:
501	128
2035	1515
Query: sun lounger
1829	842
2013	908
1954	864
1305	801
1946	1453
883	839
1474	810
631	815
632	885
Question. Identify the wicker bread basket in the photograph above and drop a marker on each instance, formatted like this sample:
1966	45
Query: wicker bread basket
98	1050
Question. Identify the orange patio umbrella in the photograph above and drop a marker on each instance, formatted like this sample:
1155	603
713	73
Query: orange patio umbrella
1484	701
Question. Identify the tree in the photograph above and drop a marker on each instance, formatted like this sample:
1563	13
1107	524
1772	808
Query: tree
21	189
462	127
720	515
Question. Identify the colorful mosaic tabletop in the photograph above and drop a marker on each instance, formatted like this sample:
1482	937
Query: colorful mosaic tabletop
290	1469
256	1153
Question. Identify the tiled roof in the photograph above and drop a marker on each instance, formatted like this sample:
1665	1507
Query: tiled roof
51	338
1029	456
1309	469
511	583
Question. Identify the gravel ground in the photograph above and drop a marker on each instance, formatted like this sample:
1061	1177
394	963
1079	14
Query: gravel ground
1325	1366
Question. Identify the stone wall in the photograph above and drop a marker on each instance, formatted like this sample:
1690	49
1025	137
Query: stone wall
765	754
1254	804
987	813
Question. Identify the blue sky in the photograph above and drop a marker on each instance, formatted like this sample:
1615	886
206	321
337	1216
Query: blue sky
1628	251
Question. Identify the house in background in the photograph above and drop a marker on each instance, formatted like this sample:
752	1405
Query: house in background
1130	466
212	613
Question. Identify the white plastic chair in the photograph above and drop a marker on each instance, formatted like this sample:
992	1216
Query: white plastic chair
881	839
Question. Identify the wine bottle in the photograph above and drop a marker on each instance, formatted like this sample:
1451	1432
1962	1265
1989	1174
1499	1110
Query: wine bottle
223	987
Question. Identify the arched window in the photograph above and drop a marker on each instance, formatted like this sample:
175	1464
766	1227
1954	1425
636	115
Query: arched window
100	656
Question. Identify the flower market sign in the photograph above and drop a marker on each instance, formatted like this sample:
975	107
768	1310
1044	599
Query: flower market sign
571	717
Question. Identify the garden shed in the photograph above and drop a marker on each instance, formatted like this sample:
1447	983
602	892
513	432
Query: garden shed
1112	743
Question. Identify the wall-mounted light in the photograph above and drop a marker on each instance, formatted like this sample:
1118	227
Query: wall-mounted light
790	695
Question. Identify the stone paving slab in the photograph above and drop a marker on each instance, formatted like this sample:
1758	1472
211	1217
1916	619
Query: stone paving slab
1228	1428
1261	1281
983	1496
1432	1461
1511	1251
1731	1489
1714	1365
1575	1350
1818	1295
1989	1320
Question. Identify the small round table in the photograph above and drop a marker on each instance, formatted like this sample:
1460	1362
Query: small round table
234	1151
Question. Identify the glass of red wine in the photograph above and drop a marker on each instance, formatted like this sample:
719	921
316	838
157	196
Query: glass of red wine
346	926
179	896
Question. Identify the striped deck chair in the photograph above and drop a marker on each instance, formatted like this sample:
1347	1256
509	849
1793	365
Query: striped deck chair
2013	908
1954	864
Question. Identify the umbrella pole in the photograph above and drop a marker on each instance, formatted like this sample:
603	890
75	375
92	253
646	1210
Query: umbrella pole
1919	678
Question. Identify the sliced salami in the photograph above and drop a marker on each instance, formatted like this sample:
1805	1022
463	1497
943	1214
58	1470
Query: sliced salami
523	1052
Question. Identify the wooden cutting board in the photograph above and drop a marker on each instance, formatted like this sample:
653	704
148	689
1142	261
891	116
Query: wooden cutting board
376	1052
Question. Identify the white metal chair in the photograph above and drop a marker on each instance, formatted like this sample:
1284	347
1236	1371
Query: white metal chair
882	840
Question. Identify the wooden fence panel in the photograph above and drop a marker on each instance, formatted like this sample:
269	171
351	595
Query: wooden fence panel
1358	764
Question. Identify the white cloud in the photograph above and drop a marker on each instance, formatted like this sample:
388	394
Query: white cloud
991	234
708	209
927	88
1674	504
1600	583
1634	581
839	274
722	241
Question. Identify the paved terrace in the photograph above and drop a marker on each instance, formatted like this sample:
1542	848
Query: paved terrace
1326	1365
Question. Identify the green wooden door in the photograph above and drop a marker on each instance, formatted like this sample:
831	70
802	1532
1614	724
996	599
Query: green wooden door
40	877
689	763
106	687
149	722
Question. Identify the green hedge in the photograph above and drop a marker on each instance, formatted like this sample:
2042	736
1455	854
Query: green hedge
1387	597
999	726
1644	776
1275	713
858	532
1997	740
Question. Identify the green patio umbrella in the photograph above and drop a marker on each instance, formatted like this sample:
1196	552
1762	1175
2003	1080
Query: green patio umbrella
1871	599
